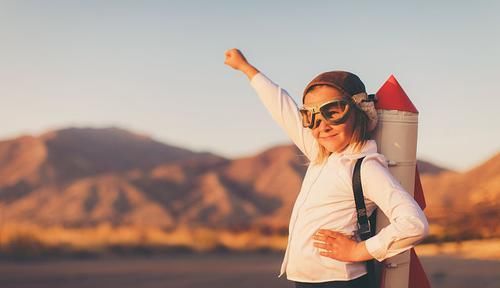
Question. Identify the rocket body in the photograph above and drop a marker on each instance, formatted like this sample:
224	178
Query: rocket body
396	137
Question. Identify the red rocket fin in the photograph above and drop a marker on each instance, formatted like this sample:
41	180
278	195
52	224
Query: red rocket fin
418	278
418	193
392	97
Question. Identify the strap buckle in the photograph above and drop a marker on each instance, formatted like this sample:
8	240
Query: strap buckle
364	229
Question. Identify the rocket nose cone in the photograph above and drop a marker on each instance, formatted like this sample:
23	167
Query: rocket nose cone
393	80
392	97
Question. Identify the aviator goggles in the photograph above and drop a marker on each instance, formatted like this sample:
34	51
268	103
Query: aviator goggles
334	112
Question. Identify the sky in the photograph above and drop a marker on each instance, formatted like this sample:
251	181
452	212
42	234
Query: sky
157	67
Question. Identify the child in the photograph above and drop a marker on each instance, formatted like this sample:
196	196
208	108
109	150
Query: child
332	129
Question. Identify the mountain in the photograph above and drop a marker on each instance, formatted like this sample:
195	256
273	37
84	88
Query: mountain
75	153
81	177
426	167
465	205
478	186
84	177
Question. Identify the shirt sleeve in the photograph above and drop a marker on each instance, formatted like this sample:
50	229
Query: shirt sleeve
285	112
408	224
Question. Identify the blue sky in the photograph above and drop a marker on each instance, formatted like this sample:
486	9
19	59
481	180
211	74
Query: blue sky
156	67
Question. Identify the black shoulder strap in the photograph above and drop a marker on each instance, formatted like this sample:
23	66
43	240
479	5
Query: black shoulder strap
364	228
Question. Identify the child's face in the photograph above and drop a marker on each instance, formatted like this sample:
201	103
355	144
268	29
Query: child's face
332	137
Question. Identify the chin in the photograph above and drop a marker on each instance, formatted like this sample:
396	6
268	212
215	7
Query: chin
331	147
333	150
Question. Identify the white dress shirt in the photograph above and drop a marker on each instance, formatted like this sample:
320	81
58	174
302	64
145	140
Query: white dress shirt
326	199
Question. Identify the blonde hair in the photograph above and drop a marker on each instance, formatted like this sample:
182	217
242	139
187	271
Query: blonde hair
360	136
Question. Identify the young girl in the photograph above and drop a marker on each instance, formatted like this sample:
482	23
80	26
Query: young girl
332	129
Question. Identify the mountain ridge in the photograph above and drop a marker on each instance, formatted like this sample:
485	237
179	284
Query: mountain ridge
84	177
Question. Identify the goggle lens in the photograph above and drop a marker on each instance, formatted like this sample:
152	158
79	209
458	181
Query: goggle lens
334	111
307	117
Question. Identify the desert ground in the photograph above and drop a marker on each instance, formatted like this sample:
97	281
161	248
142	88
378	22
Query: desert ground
464	265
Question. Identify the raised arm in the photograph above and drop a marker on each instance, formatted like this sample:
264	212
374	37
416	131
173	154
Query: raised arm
282	107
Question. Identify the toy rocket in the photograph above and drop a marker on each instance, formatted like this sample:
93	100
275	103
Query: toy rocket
396	137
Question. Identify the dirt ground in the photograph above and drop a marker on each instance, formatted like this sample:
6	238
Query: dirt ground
226	270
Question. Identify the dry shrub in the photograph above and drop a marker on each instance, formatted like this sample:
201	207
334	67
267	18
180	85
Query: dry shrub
31	239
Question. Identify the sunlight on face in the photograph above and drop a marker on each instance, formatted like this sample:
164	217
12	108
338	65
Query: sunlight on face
332	137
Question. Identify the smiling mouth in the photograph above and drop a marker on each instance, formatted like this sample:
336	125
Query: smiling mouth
331	136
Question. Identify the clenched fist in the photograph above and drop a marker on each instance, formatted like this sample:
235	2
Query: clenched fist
236	60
